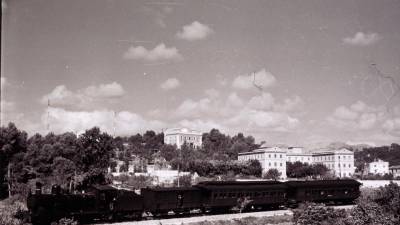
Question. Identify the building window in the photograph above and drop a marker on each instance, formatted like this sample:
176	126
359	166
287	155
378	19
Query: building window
280	164
280	155
275	155
274	163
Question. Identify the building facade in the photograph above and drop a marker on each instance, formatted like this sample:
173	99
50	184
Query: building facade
179	136
269	158
395	170
295	154
378	167
339	162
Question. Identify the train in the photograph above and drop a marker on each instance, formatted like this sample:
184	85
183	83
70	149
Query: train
107	203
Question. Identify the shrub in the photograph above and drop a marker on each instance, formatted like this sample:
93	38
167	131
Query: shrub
12	212
65	221
318	214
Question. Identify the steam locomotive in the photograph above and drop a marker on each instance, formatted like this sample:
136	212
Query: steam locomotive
104	202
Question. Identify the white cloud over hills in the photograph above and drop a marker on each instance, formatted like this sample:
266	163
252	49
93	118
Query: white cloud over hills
124	122
61	96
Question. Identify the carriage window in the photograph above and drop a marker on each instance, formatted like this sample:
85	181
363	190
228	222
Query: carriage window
215	195
322	192
307	193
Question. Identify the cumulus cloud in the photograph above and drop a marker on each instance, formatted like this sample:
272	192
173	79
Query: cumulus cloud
362	39
358	116
392	126
105	90
343	112
194	31
212	93
272	121
264	101
171	83
234	100
261	79
159	53
254	114
125	122
61	96
202	125
192	109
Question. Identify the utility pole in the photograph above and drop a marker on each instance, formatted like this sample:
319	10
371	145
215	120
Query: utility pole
180	160
48	115
114	116
9	179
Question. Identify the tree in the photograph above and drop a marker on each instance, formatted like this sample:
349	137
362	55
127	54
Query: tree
12	141
94	150
252	167
63	171
272	174
169	152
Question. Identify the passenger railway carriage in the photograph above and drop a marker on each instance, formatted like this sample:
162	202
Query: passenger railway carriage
223	196
159	201
109	203
327	191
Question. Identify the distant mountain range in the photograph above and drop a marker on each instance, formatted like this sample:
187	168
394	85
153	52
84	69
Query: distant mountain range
319	147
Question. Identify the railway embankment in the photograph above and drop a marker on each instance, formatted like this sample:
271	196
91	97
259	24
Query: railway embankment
276	217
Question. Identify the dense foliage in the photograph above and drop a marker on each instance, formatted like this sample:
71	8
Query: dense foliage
77	161
272	174
302	170
380	207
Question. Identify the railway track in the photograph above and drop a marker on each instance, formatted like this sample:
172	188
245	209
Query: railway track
193	219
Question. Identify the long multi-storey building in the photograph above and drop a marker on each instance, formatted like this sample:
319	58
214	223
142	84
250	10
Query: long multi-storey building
339	162
269	158
296	154
179	136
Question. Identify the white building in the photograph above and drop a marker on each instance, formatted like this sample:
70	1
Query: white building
269	158
378	167
179	136
395	170
296	154
339	162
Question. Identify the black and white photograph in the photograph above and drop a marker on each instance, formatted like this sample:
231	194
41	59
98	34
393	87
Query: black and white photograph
200	112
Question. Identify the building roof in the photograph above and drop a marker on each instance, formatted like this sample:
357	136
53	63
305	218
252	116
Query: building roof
239	185
182	131
330	183
161	189
340	151
262	150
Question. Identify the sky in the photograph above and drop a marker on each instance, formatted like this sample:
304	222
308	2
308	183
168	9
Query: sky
299	73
